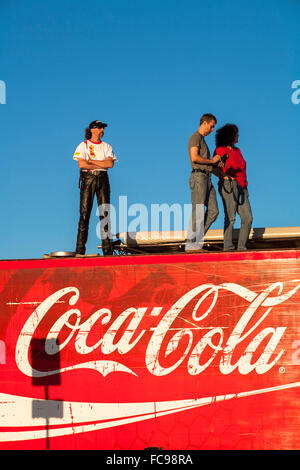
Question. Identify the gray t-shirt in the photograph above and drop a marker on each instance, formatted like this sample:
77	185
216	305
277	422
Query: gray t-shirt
197	140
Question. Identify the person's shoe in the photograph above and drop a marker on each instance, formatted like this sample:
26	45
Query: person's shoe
107	253
107	248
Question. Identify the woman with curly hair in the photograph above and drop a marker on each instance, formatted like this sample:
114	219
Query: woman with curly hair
233	187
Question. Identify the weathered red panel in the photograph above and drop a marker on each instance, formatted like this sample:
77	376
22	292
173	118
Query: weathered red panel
176	351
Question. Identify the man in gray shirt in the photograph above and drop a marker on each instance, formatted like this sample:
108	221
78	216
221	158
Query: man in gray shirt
202	191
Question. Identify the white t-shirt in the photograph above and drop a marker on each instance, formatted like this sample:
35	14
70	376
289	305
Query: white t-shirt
90	150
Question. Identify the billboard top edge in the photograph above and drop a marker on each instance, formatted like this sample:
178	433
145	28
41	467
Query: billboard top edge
182	258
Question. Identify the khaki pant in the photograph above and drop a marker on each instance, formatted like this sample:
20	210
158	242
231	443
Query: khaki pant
235	200
203	194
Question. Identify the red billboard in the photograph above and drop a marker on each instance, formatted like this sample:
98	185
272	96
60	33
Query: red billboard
181	352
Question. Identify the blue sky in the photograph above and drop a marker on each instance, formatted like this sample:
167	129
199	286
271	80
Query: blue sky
149	69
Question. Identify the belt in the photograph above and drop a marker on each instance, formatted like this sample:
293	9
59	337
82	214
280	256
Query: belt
93	172
206	172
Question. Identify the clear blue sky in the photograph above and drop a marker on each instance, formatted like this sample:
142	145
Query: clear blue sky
149	69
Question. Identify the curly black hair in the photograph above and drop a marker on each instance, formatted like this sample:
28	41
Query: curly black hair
226	135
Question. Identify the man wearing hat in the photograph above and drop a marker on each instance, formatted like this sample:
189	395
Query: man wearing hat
94	157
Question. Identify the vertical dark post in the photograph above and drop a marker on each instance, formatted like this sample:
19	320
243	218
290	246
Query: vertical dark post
43	362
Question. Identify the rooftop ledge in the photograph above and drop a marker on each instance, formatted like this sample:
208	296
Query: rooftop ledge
179	236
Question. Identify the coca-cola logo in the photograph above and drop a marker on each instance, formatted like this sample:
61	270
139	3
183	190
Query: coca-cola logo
190	335
251	334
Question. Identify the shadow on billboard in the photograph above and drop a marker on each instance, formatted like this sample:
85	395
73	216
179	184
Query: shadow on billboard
41	361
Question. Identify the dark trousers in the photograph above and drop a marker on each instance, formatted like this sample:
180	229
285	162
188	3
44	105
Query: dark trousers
89	186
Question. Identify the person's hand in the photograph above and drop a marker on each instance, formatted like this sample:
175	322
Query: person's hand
216	158
221	164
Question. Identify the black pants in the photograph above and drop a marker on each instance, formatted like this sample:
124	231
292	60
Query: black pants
91	185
